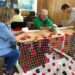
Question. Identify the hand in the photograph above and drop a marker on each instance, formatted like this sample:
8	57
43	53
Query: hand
44	28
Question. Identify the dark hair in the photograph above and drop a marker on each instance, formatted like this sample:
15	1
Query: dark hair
65	6
17	11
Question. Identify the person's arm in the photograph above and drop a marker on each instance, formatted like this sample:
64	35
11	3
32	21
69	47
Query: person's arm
37	23
52	26
49	23
72	17
71	20
6	34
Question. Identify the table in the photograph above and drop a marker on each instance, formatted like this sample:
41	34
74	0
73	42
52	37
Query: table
33	50
69	46
55	67
34	62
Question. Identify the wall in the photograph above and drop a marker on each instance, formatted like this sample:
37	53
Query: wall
41	4
53	7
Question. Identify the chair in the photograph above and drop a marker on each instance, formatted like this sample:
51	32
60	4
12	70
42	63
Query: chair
17	25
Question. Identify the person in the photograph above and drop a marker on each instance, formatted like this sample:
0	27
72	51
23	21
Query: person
42	20
8	49
66	8
17	16
29	20
17	20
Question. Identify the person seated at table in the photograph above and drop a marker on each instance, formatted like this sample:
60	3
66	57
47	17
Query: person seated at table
8	48
42	20
17	20
70	11
17	16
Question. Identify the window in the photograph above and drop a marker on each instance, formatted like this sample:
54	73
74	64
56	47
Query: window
29	5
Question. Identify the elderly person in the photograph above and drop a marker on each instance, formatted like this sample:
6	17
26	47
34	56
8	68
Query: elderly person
8	48
42	20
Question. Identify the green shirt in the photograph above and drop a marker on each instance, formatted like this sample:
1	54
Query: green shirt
38	23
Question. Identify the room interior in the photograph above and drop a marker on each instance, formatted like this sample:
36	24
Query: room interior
43	51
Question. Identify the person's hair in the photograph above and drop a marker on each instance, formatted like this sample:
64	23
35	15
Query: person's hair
5	14
45	11
65	6
16	11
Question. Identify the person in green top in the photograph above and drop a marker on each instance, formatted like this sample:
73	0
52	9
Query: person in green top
42	20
